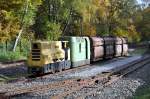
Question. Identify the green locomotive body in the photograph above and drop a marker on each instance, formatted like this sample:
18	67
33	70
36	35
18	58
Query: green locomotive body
80	50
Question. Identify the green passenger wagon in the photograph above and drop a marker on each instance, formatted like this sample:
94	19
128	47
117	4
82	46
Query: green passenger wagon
80	50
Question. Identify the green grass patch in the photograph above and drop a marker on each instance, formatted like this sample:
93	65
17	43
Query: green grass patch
139	51
142	94
11	56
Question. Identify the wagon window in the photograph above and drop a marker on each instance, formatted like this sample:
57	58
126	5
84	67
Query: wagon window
80	47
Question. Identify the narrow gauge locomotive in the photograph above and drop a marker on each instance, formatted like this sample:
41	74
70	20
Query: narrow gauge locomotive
70	52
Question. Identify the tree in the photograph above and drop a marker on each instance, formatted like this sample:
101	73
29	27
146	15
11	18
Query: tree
26	18
21	24
48	19
85	17
143	23
9	21
14	18
115	17
69	15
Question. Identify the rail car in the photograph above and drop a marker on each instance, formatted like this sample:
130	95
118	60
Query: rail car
71	52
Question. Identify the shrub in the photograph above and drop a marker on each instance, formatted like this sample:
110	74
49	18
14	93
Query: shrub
10	56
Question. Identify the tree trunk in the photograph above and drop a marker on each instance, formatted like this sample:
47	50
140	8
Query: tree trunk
30	41
67	24
17	39
21	25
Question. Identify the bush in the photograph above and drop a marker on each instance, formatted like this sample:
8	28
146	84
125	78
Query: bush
53	31
6	53
10	56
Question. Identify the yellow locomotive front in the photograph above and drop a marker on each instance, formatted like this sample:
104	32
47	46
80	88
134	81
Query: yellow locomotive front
46	56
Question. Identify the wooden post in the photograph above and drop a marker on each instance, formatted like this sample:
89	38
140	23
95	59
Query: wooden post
6	46
20	46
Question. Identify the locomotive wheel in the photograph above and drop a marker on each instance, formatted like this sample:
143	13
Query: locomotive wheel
53	69
60	68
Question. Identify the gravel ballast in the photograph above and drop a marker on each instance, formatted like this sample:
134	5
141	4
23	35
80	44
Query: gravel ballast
126	87
121	89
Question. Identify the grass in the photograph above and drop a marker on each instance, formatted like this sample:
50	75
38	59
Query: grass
139	51
142	94
11	56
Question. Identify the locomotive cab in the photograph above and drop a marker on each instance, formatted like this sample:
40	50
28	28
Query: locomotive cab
46	57
40	54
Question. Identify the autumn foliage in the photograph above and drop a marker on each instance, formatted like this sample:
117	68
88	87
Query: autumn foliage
50	19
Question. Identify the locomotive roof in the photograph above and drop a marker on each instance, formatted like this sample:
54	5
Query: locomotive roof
47	41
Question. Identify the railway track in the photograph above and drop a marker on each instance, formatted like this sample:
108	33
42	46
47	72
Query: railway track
110	77
29	77
13	62
76	84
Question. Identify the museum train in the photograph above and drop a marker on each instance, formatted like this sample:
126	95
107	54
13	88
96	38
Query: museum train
71	52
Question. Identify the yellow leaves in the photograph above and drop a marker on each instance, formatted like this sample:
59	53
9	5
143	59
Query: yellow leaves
120	32
85	8
11	13
3	36
133	33
16	1
130	32
96	2
36	2
89	30
9	26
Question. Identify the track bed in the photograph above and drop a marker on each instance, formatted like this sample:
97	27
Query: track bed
65	84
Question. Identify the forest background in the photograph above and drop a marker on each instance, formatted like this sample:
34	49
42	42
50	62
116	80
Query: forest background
22	21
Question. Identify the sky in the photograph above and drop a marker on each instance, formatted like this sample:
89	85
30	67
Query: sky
139	1
146	4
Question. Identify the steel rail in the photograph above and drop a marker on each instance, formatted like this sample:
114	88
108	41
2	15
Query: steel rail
77	84
121	73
